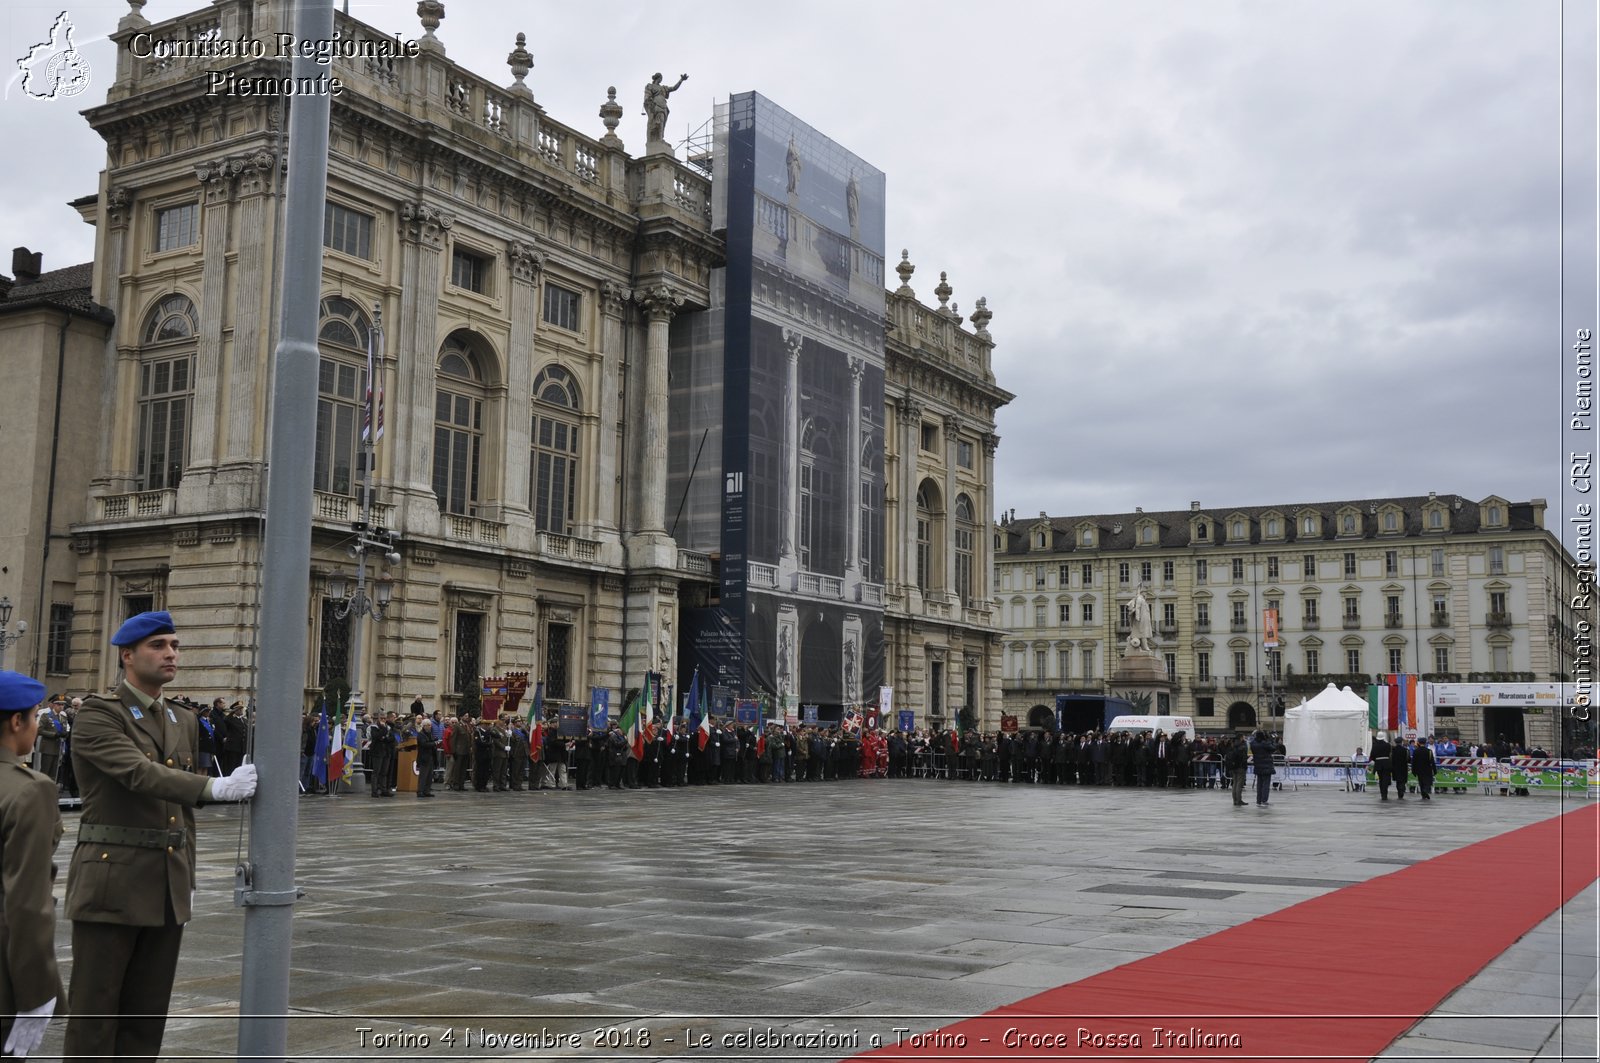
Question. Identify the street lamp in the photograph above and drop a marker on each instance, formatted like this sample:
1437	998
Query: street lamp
350	595
7	637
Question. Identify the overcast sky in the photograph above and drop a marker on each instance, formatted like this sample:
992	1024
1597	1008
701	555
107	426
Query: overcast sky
1240	252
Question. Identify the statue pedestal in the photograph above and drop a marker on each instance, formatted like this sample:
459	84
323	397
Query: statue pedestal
1141	677
657	147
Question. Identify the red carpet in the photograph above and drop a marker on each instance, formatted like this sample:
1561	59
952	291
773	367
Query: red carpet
1334	978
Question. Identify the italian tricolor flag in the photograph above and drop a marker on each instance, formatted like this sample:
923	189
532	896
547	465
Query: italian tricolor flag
633	721
1392	704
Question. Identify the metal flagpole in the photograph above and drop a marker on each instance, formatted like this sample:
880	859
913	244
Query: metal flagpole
264	883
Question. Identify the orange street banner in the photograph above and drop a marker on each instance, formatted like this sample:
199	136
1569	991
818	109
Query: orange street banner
1269	624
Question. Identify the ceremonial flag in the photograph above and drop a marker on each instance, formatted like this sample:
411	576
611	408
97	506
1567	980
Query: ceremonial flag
1377	706
703	727
1407	712
955	739
336	751
535	728
852	719
372	411
633	719
347	755
319	752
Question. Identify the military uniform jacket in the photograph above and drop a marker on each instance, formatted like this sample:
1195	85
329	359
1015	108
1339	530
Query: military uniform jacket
137	772
30	829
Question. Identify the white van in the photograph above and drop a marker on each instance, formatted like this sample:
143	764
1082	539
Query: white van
1171	725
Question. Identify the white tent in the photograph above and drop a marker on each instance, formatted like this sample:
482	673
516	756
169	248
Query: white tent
1332	724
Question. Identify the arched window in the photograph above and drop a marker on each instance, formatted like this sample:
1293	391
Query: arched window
817	496
963	542
555	450
927	513
166	382
342	338
457	428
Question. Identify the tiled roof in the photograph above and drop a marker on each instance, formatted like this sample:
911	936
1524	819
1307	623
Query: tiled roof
65	289
1119	531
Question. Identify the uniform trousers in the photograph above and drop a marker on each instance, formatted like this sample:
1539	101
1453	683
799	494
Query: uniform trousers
121	988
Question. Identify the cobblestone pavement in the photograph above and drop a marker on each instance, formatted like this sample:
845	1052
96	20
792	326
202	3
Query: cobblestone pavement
831	909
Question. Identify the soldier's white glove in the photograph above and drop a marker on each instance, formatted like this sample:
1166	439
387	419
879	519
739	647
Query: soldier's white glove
27	1030
237	786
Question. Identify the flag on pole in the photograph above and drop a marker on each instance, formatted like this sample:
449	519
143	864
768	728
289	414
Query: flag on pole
347	754
852	719
691	709
336	752
633	719
535	723
319	752
703	724
372	411
1377	706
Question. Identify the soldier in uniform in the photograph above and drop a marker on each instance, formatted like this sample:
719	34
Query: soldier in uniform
30	829
517	765
50	740
132	880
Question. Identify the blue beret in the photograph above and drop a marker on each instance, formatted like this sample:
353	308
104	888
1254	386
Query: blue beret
18	692
136	629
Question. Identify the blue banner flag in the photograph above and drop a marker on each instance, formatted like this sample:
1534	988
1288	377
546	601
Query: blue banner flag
599	708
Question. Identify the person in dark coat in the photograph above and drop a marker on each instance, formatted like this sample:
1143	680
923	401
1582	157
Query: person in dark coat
1236	759
1261	759
427	754
380	748
1422	765
1399	766
1380	754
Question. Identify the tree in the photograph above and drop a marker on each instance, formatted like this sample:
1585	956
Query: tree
967	719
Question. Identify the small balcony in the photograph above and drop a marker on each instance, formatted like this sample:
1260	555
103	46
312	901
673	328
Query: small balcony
1203	683
1352	621
140	505
1239	682
472	529
1167	631
1440	619
1311	623
1238	624
1202	627
1497	620
1393	620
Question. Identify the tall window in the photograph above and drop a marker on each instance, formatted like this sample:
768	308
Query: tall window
816	492
1309	563
177	227
1064	613
1436	559
1497	602
1086	611
1171	661
333	646
1088	574
1063	665
561	307
457	429
59	644
1200	572
1039	660
1441	604
1313	662
1397	659
1063	576
1038	614
1145	571
465	671
558	662
869	503
1202	665
341	391
469	270
1310	611
1349	565
1497	560
1391	563
1239	665
964	530
1087	654
1352	608
555	450
924	540
1275	665
1202	615
165	383
1124	573
1238	570
1167	571
1392	607
1441	658
1272	567
1352	660
1237	615
348	231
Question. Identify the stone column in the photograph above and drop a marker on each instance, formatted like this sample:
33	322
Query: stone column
422	229
119	389
789	490
527	262
911	440
852	464
985	549
660	302
216	183
952	437
250	356
613	299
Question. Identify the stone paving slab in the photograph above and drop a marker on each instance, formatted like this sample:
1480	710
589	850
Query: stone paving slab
839	902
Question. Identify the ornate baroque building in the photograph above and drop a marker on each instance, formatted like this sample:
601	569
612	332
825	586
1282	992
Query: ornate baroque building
533	286
1455	589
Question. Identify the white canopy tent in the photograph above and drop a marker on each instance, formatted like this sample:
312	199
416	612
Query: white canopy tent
1332	724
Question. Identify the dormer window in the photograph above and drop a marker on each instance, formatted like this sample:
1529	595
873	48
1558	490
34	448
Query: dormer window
1436	519
1493	517
1308	524
1200	531
1272	527
1088	537
1347	525
1391	521
1040	540
1147	535
1238	529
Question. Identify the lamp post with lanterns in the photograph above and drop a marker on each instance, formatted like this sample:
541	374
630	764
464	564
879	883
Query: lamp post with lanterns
7	636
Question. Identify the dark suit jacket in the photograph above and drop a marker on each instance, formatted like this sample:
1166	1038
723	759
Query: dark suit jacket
30	829
139	773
